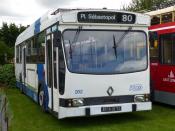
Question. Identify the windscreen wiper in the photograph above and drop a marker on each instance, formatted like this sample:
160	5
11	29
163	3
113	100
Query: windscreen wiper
120	40
124	34
70	49
74	40
115	46
77	34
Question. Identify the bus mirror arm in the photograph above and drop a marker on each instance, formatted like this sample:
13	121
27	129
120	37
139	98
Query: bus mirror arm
57	39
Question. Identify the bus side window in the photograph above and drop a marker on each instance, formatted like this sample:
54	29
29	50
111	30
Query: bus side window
40	40
61	70
31	51
167	17
28	52
167	48
20	53
154	50
49	62
155	20
17	54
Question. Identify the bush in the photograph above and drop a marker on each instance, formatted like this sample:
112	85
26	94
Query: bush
7	75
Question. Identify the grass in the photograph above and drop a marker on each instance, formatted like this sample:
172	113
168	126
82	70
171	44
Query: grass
27	116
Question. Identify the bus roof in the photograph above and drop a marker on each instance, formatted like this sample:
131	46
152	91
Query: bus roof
161	11
69	16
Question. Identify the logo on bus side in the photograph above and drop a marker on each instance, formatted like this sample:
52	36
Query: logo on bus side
170	78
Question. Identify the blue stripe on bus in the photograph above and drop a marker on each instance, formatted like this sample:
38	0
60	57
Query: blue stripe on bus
27	91
40	71
18	84
37	26
41	78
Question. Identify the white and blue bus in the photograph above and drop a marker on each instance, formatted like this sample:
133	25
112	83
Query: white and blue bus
85	62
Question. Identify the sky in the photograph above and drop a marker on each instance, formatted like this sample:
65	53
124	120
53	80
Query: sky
25	12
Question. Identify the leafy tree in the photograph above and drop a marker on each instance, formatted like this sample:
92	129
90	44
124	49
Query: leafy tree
7	75
3	52
140	5
8	35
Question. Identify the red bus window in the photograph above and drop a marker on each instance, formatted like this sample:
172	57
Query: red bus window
155	20
154	50
168	48
167	17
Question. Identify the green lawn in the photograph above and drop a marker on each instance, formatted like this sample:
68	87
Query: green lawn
27	116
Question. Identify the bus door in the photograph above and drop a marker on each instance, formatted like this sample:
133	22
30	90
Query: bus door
51	67
23	65
154	59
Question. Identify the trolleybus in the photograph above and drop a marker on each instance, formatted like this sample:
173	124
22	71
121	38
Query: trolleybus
162	55
85	62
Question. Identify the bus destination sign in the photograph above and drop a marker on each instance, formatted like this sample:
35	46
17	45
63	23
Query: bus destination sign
106	17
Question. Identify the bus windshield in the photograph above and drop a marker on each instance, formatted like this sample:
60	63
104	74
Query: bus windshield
105	51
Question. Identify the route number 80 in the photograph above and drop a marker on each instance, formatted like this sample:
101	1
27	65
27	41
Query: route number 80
127	18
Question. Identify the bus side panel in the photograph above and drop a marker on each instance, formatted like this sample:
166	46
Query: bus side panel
166	78
30	87
31	77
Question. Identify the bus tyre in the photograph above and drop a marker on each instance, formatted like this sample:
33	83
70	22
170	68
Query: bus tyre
41	98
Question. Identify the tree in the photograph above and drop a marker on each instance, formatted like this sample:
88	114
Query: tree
9	33
140	5
4	50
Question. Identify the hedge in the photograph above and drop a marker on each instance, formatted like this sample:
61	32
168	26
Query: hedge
7	75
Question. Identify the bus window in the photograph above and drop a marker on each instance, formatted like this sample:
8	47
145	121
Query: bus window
40	40
167	17
17	54
167	50
31	51
55	66
28	53
20	54
102	52
61	70
154	50
155	20
49	62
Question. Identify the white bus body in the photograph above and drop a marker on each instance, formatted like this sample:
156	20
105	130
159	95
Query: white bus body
85	62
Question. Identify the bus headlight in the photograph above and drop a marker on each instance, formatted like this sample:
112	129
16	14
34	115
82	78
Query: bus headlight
77	102
141	98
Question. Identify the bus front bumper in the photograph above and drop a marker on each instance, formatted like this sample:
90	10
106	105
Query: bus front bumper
103	109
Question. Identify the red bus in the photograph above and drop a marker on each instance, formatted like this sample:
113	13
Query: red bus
162	55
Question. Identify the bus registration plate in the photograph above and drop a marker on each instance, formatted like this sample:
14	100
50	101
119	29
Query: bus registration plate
111	109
